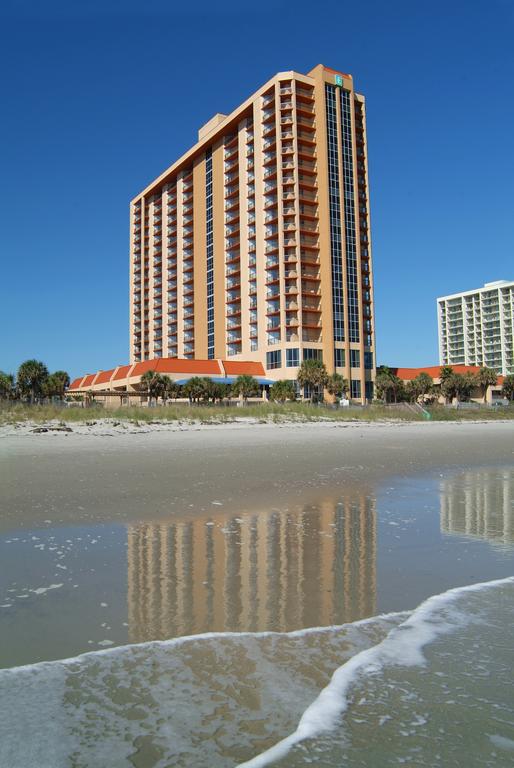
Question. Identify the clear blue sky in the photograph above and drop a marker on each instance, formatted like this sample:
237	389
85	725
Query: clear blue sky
98	98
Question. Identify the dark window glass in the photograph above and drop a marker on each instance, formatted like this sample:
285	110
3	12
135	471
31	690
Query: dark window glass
274	359
292	358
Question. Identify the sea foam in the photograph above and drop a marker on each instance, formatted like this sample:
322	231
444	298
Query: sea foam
437	616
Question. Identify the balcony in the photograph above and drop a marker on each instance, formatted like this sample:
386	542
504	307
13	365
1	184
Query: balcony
305	125
231	217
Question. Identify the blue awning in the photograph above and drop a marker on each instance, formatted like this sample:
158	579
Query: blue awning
226	380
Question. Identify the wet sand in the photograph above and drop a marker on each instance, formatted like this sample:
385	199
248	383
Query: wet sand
99	478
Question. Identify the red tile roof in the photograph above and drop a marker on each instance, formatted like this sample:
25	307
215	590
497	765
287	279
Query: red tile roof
88	380
104	376
407	374
122	372
171	365
75	384
178	365
236	368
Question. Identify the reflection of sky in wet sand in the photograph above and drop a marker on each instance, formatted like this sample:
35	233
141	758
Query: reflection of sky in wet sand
270	570
479	504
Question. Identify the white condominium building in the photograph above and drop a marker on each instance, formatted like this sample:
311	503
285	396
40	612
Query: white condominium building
475	327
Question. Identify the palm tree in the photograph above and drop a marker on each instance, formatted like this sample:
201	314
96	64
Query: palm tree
154	384
337	385
57	383
424	384
170	388
7	385
508	386
246	386
31	378
388	385
466	383
220	391
447	382
313	374
194	389
282	390
486	378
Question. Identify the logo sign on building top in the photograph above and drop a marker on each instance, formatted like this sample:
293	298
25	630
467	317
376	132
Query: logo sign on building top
339	80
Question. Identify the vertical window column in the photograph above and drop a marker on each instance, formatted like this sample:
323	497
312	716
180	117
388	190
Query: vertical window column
335	214
188	264
210	254
172	294
349	218
136	281
232	244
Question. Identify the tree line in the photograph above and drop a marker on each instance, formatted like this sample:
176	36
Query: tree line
453	386
33	382
312	374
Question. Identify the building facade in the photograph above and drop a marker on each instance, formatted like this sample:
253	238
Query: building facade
255	244
476	327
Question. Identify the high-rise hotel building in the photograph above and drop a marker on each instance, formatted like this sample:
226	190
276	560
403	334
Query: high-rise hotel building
477	327
255	244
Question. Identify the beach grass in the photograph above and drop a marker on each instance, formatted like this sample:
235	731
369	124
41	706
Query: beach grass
14	413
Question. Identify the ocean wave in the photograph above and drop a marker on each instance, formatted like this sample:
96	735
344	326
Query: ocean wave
216	699
437	616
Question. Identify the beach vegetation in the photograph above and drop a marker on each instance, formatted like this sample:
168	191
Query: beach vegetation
31	379
508	386
389	387
337	385
486	378
282	390
313	375
7	386
246	386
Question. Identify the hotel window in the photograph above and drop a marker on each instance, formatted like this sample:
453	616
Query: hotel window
339	358
274	359
312	354
368	360
369	390
355	387
355	358
210	254
292	358
349	217
336	253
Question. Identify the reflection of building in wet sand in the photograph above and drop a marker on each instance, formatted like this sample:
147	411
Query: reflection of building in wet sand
479	504
265	571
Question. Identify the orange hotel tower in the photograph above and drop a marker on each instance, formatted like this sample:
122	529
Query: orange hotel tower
255	244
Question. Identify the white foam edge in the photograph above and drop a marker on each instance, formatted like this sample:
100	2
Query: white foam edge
178	641
403	646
